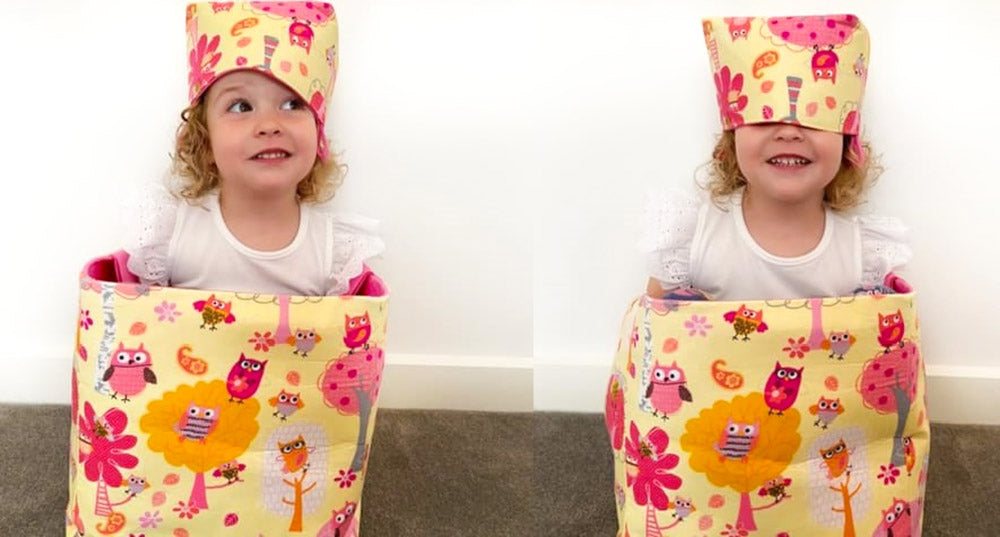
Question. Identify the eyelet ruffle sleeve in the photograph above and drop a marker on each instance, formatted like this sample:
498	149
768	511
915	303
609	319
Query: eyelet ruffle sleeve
885	247
150	221
352	240
671	217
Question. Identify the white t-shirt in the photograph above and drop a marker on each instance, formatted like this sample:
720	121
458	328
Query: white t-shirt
188	245
691	242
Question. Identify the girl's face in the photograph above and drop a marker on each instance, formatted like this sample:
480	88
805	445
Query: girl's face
787	163
263	135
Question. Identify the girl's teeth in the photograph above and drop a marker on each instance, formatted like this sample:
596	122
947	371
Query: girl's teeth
784	161
279	154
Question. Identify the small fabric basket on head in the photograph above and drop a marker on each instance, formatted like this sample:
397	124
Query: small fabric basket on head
805	70
293	42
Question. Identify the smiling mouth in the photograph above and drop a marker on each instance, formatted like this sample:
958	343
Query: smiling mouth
788	162
271	155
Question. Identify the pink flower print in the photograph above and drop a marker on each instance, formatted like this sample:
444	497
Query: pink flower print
728	91
85	321
202	58
778	395
796	348
263	342
137	535
107	445
186	510
346	478
649	463
166	311
888	474
730	531
697	325
150	520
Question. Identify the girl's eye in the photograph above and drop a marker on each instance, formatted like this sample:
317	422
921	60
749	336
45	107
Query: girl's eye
239	107
292	104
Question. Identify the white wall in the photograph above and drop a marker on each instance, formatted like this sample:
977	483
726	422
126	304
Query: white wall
506	146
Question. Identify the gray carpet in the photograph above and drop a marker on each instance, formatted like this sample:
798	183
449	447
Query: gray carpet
963	485
445	473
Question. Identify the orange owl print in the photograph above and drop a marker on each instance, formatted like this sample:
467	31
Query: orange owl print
746	321
214	311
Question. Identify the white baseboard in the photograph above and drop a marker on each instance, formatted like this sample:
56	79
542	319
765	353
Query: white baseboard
457	383
955	394
497	384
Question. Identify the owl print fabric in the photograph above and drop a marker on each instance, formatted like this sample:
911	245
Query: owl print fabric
788	417
201	413
809	70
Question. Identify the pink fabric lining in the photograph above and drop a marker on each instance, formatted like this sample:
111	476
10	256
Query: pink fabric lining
114	268
897	284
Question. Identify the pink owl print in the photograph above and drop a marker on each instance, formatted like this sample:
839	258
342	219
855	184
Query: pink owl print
129	372
357	331
300	35
782	388
824	65
897	521
739	27
342	523
244	378
891	330
667	389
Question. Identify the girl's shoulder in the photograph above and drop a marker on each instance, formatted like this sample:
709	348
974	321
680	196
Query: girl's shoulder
670	217
670	221
350	239
148	215
885	246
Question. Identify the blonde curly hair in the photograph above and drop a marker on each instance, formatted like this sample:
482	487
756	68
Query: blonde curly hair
843	193
198	175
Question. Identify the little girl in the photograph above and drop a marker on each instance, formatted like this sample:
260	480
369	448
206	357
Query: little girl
788	165
773	415
252	162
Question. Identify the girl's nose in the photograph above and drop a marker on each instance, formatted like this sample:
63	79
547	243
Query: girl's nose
268	125
269	128
788	132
